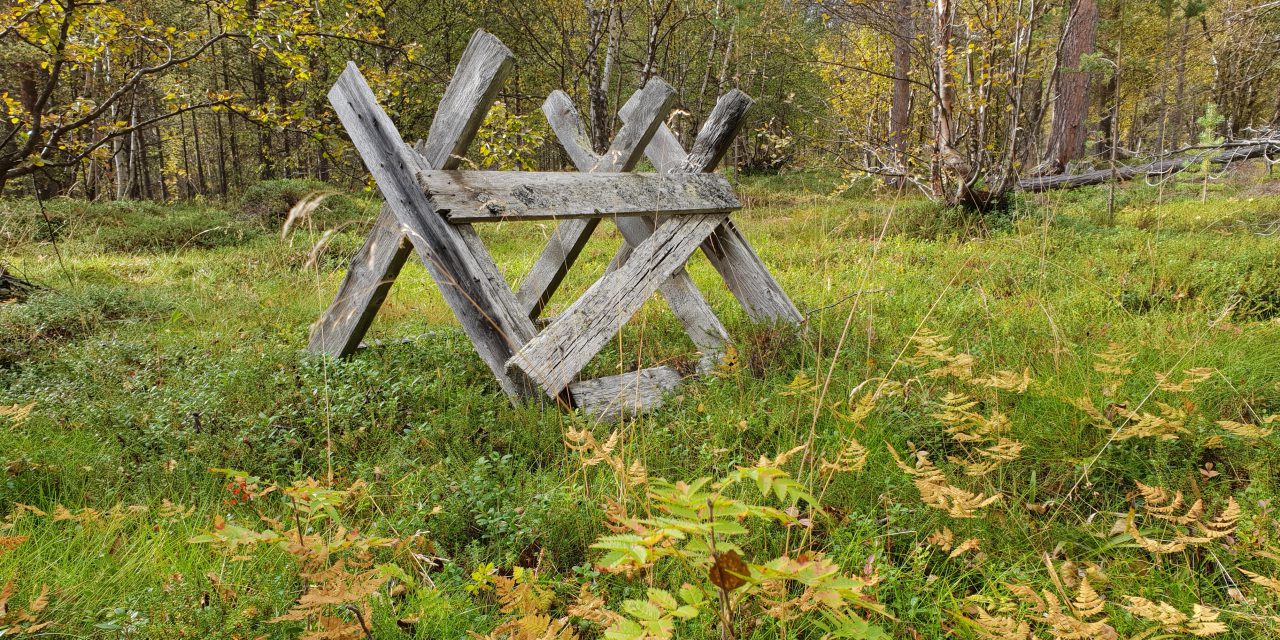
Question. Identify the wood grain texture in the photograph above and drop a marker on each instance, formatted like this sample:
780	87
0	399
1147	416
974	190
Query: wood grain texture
664	151
370	274
652	105
466	277
566	123
717	133
1156	168
682	295
748	278
727	249
565	346
683	298
494	196
480	74
616	397
566	242
653	102
624	252
374	267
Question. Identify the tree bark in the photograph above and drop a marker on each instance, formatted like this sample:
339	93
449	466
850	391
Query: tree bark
1159	167
658	11
202	186
600	21
258	78
1108	110
1180	91
946	159
900	107
1067	130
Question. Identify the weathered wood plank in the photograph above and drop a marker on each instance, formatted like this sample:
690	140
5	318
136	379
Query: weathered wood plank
487	310
566	123
370	274
748	278
371	271
727	249
493	196
717	133
617	397
624	252
682	296
652	106
566	243
565	346
480	74
664	150
561	251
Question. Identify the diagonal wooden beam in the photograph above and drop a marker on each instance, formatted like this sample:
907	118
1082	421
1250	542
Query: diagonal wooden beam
566	124
653	102
565	346
459	264
682	295
727	249
480	73
564	245
683	298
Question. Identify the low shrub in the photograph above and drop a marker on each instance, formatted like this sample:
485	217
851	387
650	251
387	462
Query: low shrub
137	227
269	202
51	317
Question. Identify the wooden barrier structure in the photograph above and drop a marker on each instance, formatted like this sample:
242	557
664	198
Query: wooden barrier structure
664	217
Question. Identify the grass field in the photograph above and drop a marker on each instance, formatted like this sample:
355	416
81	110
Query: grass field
1042	423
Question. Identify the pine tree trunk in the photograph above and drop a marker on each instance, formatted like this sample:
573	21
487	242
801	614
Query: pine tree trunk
1180	91
1068	129
900	107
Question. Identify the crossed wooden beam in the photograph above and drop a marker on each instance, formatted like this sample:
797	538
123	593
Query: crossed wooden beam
663	217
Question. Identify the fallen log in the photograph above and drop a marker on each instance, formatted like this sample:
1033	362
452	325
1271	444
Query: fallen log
1156	168
14	288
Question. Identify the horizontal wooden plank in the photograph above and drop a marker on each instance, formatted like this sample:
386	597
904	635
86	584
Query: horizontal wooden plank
629	394
492	196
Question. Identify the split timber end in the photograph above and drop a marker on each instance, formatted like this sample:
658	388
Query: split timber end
617	397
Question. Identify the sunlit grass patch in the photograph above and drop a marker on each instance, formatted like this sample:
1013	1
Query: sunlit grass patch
982	411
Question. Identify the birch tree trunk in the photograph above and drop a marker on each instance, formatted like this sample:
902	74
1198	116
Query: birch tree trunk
945	156
600	21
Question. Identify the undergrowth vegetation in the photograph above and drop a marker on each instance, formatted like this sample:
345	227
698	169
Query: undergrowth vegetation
1043	424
